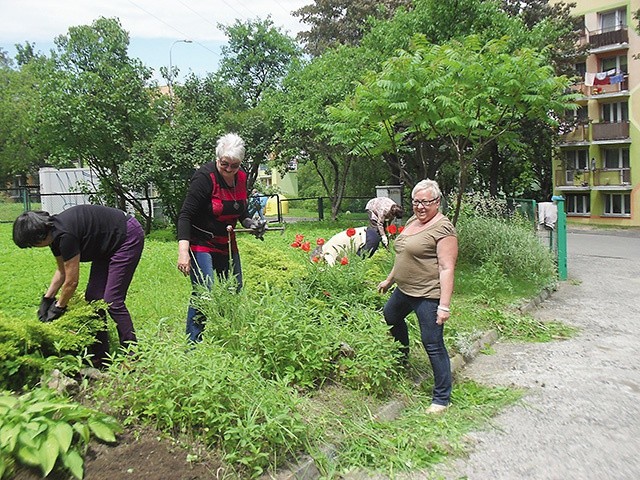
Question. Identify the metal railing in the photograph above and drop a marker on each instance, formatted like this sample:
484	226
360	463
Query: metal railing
605	37
610	130
612	176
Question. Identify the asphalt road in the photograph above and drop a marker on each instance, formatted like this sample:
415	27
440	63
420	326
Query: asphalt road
580	418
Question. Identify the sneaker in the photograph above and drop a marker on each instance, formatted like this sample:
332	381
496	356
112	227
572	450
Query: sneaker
435	409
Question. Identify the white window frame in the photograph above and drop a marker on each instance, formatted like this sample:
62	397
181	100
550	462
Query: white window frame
615	112
573	160
613	20
619	62
578	204
624	204
616	158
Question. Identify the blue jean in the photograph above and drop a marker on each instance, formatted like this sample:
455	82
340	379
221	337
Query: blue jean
203	265
371	244
396	310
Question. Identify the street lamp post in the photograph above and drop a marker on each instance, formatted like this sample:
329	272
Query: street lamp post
170	73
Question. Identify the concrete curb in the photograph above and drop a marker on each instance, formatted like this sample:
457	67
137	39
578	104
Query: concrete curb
306	468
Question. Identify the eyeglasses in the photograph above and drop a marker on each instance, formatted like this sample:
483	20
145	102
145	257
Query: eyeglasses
424	203
230	166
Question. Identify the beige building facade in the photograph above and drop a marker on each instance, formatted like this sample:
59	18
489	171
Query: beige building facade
597	167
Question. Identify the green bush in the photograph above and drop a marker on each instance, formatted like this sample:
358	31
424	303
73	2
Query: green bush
511	245
28	348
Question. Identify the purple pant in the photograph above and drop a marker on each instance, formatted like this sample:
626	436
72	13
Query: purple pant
109	280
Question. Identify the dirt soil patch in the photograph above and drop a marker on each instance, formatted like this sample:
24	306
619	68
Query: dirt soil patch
138	455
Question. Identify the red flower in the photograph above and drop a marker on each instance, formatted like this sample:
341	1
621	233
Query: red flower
315	259
306	246
351	232
392	229
344	261
320	241
295	244
400	229
299	238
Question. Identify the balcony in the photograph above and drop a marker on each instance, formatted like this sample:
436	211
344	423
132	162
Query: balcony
603	38
580	89
609	90
573	179
610	131
580	134
612	177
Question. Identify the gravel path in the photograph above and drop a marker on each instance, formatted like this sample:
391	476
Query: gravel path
581	416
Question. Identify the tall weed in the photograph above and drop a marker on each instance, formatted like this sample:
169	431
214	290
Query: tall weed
510	245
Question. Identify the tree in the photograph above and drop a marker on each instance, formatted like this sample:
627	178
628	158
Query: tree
257	58
341	22
19	154
96	106
465	93
300	112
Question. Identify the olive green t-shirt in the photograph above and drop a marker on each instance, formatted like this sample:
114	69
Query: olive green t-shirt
416	266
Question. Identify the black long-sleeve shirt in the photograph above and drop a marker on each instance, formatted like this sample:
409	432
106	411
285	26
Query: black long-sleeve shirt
209	207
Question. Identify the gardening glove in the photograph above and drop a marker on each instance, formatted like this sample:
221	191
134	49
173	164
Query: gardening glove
54	312
385	241
258	227
45	303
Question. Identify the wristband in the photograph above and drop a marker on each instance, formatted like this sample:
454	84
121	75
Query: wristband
444	309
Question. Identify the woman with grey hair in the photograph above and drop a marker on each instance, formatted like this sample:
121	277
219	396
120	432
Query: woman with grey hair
424	267
216	200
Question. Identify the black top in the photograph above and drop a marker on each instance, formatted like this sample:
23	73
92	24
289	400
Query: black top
209	207
93	231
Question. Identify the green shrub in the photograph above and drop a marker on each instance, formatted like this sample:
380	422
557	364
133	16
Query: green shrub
29	347
511	245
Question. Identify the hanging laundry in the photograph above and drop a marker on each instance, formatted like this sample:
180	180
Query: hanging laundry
602	79
589	78
616	79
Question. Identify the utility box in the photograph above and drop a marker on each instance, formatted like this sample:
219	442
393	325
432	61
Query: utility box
64	188
394	192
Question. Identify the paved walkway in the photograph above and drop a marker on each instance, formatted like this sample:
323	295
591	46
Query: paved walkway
581	416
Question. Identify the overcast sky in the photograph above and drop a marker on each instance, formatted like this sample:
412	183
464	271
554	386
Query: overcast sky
153	25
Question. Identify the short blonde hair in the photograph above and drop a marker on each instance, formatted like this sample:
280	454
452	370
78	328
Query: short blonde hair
230	146
429	186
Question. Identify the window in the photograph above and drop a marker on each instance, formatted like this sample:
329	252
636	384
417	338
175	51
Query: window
616	158
576	159
619	63
581	68
614	112
578	204
613	20
582	114
617	204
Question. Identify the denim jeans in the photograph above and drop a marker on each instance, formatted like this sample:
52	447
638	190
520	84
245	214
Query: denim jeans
203	265
371	244
396	310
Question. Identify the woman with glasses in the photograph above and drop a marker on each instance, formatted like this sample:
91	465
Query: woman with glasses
215	201
423	271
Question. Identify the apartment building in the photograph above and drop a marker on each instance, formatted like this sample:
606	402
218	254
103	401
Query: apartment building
597	169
